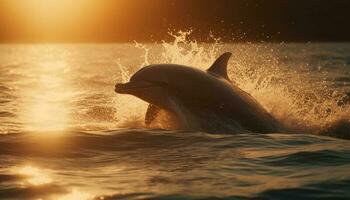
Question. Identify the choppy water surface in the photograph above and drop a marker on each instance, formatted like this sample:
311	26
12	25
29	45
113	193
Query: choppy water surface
66	135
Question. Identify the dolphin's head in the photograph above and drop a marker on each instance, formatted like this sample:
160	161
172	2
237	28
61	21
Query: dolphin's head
153	83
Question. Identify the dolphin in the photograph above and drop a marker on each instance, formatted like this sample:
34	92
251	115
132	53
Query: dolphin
200	100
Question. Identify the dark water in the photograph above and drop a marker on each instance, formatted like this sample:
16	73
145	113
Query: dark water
67	135
154	164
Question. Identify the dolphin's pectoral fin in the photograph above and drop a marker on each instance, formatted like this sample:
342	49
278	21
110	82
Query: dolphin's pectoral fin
151	114
219	67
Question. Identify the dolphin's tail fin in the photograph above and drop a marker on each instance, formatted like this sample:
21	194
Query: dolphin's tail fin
219	67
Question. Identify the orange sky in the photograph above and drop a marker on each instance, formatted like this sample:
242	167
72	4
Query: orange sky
42	20
84	20
148	20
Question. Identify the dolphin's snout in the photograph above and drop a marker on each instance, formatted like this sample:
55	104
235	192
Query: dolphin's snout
120	88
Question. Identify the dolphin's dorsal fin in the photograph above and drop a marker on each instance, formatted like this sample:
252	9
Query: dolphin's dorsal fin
219	67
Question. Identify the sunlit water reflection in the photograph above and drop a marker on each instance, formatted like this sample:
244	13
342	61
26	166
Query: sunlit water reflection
47	105
34	176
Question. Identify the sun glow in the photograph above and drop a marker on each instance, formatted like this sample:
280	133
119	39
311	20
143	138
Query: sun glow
48	10
43	20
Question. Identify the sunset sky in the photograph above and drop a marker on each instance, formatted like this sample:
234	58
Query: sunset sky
150	20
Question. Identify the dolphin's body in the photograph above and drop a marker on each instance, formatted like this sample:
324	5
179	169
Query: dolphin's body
201	100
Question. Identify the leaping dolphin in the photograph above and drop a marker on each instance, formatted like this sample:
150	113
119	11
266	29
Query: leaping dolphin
200	100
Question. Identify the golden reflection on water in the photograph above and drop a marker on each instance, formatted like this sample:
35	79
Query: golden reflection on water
34	176
75	195
46	96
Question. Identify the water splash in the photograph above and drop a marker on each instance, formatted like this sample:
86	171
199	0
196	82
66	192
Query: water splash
124	72
189	52
287	91
146	50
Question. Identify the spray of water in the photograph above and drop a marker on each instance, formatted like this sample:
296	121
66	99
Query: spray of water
287	92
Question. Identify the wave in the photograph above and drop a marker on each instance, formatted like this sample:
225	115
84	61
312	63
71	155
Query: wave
136	163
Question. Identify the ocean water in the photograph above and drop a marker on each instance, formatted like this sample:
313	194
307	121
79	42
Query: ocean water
66	135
